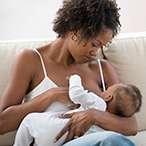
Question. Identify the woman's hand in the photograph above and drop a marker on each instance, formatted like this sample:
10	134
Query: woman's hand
79	123
61	94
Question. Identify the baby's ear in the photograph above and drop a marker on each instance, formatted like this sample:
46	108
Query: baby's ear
108	98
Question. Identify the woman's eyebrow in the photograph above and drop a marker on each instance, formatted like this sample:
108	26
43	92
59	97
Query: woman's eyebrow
99	42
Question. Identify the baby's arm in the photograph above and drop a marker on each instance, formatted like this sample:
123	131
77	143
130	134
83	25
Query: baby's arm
80	96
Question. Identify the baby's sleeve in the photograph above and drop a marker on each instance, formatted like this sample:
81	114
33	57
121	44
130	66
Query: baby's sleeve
80	96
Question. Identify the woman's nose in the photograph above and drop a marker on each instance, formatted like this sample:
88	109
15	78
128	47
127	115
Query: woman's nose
94	52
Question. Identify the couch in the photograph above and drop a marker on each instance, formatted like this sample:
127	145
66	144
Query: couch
127	53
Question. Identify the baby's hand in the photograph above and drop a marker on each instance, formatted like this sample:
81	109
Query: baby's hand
68	77
75	106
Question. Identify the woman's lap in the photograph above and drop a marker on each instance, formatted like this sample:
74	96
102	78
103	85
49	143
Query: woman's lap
105	138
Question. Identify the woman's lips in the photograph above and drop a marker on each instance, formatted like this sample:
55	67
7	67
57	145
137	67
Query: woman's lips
87	58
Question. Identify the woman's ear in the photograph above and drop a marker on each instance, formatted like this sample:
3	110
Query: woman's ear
108	98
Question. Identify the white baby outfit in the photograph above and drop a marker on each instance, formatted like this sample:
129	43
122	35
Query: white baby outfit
43	127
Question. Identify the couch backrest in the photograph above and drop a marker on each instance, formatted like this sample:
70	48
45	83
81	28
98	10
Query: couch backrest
127	53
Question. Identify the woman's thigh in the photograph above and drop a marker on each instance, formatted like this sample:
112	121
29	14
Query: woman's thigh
105	138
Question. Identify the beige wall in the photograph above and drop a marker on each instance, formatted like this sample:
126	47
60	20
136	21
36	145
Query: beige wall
27	19
132	15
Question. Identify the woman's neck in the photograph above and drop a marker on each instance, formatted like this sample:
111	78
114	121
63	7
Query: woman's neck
59	52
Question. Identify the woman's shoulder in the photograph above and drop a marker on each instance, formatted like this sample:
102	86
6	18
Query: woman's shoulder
27	56
95	62
26	59
26	53
105	64
108	71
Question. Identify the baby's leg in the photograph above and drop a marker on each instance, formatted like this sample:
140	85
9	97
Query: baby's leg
50	127
24	135
43	127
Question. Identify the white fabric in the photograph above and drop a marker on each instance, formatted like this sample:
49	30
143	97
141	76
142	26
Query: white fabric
45	85
101	74
43	65
43	127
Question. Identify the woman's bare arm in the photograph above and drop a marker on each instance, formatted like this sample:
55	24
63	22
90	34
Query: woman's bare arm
124	125
11	117
12	111
81	122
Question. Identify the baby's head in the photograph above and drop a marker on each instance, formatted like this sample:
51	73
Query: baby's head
122	100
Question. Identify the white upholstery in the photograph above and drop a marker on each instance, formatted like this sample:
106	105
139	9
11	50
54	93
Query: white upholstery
127	53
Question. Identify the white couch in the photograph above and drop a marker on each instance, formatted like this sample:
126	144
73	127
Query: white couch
127	53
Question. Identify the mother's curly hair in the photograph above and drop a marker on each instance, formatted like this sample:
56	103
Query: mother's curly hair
89	16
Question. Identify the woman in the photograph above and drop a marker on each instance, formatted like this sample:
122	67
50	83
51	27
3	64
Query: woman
82	27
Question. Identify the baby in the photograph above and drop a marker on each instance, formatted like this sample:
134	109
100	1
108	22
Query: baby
119	99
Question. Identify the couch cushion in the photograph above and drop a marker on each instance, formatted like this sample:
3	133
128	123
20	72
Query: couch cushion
127	53
7	139
139	139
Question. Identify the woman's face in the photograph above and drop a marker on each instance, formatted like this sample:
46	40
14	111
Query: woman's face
83	53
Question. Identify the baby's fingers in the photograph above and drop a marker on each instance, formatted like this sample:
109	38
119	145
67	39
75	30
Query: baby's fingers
75	106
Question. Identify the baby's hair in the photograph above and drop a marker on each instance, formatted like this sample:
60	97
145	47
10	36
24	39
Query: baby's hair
89	16
127	97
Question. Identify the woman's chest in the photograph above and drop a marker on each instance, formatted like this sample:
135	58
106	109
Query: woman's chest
91	79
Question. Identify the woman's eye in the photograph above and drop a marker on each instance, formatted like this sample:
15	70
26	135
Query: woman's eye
94	45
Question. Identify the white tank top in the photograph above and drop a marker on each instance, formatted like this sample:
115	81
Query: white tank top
47	84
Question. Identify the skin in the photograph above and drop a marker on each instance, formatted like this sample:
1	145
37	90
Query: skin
109	96
63	56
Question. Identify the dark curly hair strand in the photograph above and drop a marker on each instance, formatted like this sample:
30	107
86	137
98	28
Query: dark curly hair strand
89	16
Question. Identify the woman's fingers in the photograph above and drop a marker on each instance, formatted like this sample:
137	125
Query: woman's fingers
74	130
66	127
70	134
63	131
66	116
79	123
61	94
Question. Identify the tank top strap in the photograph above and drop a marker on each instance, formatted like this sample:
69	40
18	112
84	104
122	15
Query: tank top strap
44	69
101	73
